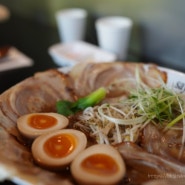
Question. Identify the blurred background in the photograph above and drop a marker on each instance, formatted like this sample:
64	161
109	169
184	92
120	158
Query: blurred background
158	33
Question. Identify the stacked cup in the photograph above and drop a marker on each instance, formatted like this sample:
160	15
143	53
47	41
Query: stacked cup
113	32
71	24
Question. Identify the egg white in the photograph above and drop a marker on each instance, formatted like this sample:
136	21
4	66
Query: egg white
85	177
43	159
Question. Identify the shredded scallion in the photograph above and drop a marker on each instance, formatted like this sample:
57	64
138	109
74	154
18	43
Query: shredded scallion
113	123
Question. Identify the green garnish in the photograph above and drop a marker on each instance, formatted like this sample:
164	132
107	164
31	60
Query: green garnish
123	120
173	122
68	108
159	104
64	107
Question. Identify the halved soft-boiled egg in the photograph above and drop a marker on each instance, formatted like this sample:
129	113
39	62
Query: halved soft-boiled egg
99	164
57	149
34	124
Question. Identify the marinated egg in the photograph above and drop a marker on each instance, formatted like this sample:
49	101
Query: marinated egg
57	149
34	124
99	164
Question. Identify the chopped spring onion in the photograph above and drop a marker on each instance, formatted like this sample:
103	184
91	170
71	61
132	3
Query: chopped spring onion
67	108
158	103
122	121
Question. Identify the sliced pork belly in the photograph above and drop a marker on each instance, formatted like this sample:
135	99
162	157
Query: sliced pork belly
143	166
35	94
167	144
90	76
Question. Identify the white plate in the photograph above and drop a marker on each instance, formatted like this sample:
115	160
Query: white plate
175	80
69	54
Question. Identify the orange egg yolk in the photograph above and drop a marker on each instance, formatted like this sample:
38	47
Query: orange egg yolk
42	121
60	145
100	164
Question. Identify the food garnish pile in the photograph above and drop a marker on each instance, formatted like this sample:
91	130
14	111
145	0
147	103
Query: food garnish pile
124	125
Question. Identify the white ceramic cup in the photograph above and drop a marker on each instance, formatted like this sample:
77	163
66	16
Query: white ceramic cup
113	34
71	24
